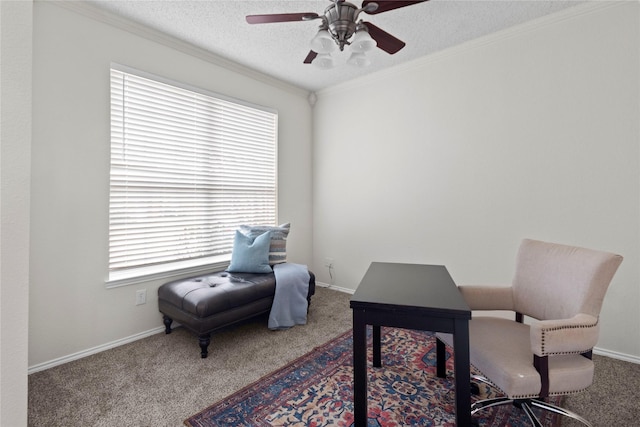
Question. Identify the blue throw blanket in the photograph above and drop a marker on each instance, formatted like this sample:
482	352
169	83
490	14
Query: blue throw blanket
290	300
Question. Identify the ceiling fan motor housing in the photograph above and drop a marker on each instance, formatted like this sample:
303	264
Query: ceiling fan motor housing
341	18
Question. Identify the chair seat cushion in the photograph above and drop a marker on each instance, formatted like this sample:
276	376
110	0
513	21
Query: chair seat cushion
511	369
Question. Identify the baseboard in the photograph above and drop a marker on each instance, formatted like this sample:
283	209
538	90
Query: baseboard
94	350
79	355
335	288
617	355
141	335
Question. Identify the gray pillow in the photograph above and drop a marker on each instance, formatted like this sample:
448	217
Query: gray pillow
278	245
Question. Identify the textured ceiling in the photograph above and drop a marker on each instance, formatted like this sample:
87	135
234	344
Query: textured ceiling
278	49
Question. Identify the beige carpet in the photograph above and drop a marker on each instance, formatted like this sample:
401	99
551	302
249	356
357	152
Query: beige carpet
161	380
613	399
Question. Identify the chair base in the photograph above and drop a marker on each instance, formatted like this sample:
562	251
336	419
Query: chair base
527	406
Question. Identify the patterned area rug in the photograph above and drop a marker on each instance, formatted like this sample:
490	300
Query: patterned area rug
317	390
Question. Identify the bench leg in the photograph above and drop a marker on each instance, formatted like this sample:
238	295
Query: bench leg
167	324
204	340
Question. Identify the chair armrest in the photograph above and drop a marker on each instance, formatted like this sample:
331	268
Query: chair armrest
576	335
488	297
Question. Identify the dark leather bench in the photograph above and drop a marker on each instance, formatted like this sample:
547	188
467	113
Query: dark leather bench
207	303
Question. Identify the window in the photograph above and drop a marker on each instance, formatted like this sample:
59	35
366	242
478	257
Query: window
187	168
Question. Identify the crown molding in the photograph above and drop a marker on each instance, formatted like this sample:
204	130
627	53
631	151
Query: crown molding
499	36
93	12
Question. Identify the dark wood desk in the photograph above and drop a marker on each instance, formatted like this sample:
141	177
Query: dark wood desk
410	296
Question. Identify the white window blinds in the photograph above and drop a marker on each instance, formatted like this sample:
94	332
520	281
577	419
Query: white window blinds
187	168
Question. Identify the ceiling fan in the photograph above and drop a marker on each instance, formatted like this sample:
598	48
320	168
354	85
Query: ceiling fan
340	27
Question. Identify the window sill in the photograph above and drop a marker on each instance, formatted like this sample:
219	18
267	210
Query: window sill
166	271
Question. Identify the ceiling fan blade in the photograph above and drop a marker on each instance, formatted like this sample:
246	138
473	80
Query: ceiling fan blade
310	57
281	17
387	5
385	41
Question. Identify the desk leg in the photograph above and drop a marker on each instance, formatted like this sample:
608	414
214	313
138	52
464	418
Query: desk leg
441	359
377	347
359	369
462	373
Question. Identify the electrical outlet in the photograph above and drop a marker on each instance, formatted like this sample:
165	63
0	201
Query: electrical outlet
328	262
141	296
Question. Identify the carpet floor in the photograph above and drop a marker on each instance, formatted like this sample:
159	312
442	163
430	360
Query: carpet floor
161	380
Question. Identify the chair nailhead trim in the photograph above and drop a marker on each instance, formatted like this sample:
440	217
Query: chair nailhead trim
559	328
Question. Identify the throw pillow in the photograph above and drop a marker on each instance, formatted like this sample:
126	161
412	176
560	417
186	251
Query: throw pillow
250	255
278	245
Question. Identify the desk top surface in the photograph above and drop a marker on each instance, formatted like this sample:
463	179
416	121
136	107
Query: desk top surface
403	287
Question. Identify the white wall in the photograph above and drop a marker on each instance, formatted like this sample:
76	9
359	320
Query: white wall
71	311
453	159
15	148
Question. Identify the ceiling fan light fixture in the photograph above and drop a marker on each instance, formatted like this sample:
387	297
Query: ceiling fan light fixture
341	27
362	41
323	61
359	59
323	42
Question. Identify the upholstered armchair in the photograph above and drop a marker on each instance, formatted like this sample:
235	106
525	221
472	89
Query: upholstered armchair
556	294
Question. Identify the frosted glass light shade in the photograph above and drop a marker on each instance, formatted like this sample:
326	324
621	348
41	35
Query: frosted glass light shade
362	41
358	59
323	43
323	61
